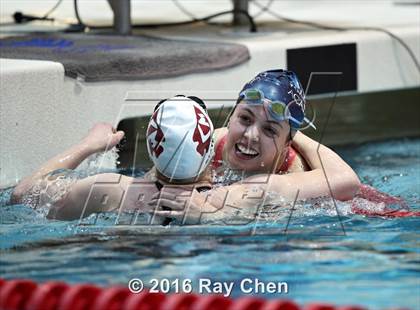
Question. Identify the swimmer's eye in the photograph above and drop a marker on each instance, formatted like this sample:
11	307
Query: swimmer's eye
245	119
270	131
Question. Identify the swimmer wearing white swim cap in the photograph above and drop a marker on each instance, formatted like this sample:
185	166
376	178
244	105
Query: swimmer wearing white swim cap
179	139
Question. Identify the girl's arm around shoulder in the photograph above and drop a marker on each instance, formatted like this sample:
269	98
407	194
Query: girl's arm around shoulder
101	137
219	133
102	193
329	175
334	171
300	185
305	185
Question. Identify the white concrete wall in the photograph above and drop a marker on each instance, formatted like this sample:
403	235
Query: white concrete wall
43	112
30	93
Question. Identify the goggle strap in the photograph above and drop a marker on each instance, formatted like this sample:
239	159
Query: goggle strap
309	123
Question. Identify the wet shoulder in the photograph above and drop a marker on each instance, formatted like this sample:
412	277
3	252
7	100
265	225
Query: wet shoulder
219	133
299	164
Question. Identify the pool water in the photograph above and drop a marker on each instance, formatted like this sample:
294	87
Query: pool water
345	259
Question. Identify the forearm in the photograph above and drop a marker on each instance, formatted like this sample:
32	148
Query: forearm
310	150
79	202
237	203
100	138
99	193
268	189
334	169
307	185
68	159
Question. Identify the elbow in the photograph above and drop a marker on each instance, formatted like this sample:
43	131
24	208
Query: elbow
17	195
58	212
22	189
349	185
63	210
353	186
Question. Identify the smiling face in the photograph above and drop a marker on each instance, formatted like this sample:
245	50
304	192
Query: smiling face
255	142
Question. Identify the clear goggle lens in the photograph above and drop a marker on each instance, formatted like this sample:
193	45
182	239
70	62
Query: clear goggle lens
278	110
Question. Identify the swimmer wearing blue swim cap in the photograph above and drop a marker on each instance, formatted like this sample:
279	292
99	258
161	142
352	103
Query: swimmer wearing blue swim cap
270	109
282	91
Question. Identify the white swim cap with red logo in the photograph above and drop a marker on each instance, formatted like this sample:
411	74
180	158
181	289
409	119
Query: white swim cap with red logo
179	138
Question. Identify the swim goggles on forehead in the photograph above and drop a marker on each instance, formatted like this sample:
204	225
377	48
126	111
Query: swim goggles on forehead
278	110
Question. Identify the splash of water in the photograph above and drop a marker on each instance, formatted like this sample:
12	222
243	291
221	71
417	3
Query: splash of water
98	163
226	176
57	184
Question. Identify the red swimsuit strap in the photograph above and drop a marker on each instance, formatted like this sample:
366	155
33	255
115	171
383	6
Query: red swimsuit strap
288	161
218	156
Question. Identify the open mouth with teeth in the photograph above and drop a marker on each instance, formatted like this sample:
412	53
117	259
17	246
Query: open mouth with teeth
245	152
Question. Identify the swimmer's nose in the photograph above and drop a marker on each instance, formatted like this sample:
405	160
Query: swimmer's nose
252	134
